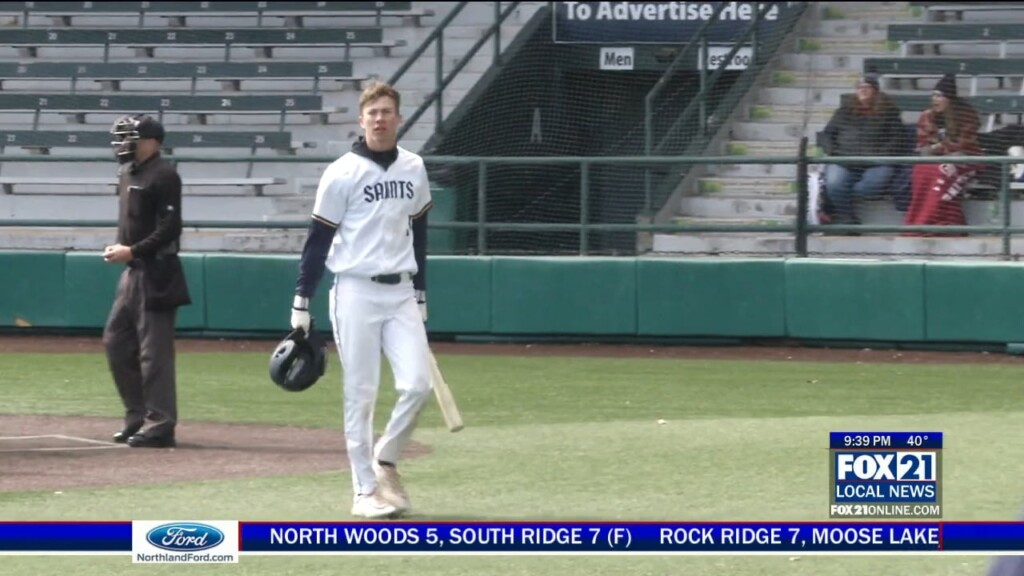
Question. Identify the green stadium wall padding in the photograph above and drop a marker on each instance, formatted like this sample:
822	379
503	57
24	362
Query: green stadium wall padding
255	292
711	297
459	294
981	302
855	300
91	285
932	304
32	292
563	296
193	316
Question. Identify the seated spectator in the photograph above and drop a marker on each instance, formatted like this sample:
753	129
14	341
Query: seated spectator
868	124
949	127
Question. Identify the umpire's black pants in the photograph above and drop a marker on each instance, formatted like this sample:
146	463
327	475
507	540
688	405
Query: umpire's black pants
140	352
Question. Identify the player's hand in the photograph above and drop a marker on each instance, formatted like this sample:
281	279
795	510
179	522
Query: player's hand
421	301
117	253
300	314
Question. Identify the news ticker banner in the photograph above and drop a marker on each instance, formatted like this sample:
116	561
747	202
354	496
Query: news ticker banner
885	475
225	542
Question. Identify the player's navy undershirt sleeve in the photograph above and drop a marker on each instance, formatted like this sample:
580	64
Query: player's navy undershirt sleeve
419	247
314	257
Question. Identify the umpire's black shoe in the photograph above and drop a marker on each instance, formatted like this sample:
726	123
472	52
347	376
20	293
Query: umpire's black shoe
144	440
126	433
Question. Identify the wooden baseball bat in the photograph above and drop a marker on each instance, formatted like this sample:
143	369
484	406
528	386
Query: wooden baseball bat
450	411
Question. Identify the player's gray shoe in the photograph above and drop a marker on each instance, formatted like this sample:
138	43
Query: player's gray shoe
389	486
372	506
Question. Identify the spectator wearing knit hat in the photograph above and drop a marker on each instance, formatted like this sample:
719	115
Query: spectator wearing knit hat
867	124
949	128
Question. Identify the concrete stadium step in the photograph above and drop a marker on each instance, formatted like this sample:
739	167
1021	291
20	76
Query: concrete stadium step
847	46
845	79
856	12
761	148
753	170
791	113
782	223
788	132
874	28
772	95
758	185
827	62
726	243
767	245
737	206
205	240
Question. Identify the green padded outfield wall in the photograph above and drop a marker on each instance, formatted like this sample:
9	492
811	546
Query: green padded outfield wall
758	298
251	292
855	300
974	302
91	283
711	297
32	289
459	294
563	295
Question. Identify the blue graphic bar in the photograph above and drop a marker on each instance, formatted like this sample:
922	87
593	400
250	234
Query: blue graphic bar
536	537
65	536
884	440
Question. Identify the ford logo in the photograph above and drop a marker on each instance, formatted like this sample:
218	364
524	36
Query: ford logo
185	537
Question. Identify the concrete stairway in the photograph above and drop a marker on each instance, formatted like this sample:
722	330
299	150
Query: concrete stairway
797	97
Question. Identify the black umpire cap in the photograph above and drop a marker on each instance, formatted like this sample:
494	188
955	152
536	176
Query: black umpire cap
149	127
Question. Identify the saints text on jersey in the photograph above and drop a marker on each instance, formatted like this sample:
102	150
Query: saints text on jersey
389	190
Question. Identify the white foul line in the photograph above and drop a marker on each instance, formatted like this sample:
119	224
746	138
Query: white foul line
102	444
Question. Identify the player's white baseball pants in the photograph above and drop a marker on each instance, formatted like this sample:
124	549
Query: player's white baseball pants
369	317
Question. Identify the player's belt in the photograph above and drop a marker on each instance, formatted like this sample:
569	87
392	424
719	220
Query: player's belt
387	278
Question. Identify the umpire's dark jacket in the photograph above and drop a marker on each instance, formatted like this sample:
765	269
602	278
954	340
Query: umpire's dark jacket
150	223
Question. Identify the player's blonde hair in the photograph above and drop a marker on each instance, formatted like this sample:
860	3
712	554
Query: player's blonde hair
376	90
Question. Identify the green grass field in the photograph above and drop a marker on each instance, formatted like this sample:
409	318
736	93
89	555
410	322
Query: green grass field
561	438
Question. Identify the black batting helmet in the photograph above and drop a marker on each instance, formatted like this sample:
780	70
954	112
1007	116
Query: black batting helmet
299	360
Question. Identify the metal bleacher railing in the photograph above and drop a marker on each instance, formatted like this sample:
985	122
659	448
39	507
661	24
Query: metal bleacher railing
442	80
799	231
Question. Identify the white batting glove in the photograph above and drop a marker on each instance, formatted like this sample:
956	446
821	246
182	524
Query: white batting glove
300	314
421	301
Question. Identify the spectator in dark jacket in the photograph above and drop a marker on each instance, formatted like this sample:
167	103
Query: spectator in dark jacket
867	124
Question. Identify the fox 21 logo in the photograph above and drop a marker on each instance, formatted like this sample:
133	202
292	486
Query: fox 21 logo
882	466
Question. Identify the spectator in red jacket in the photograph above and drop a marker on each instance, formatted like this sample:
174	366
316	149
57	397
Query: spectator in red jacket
949	127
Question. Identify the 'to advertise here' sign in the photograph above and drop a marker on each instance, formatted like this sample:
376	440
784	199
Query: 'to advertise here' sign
667	23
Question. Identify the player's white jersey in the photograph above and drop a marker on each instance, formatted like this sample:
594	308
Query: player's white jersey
373	209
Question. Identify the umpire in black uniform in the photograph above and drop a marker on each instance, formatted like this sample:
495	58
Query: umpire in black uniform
139	335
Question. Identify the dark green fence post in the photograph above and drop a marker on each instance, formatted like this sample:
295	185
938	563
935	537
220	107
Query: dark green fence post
1004	200
801	199
481	209
584	206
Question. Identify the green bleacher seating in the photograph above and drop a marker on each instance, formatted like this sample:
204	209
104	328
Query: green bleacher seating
990	67
234	71
169	70
266	38
40	139
184	9
995	32
184	104
983	104
9	184
941	10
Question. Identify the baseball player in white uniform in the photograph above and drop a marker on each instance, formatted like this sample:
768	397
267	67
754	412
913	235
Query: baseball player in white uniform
369	227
